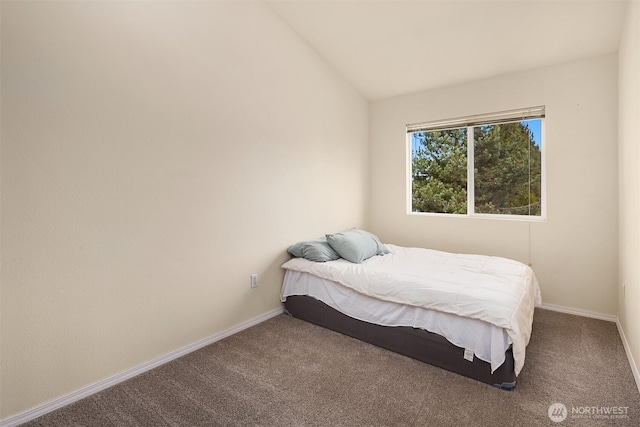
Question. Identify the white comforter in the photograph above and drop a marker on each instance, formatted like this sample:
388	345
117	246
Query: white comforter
496	290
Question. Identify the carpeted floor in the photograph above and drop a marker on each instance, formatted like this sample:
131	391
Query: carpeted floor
287	372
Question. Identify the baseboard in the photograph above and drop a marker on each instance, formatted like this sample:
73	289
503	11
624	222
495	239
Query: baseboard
609	318
627	349
579	312
130	373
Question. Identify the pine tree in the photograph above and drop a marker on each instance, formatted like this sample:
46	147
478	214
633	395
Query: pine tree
440	172
507	170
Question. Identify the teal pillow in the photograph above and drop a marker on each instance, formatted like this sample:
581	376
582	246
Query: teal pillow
317	250
356	245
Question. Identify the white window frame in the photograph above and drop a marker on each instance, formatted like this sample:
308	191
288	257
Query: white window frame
470	123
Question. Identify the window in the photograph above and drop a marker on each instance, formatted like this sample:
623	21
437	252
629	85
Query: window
486	165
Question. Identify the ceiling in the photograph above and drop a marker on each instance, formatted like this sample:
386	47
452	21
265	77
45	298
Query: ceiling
393	47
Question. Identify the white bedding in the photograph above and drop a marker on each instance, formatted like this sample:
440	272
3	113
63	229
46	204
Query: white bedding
496	290
488	342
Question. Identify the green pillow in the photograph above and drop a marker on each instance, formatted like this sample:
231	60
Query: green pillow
356	245
317	250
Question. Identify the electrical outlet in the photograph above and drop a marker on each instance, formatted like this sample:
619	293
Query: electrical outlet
254	280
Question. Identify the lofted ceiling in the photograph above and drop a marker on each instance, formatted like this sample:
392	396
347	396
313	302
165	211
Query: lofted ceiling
392	47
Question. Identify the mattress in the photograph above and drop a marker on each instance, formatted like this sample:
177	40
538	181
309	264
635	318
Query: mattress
498	291
416	343
487	342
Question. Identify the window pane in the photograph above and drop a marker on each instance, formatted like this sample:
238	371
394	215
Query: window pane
439	171
508	168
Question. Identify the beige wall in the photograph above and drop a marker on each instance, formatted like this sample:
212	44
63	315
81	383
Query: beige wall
154	155
629	159
574	253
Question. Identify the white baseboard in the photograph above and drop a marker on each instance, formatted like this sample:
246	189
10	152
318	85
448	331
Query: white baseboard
627	349
130	373
579	312
609	318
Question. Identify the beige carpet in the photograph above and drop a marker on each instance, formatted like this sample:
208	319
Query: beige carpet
287	372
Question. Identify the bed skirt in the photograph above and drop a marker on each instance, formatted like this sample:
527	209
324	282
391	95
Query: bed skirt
416	343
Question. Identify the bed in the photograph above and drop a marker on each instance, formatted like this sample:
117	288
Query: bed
469	314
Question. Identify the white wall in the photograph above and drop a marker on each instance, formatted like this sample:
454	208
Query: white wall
629	159
154	155
574	253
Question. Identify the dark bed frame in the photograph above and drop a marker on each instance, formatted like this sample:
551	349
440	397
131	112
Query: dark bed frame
416	343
